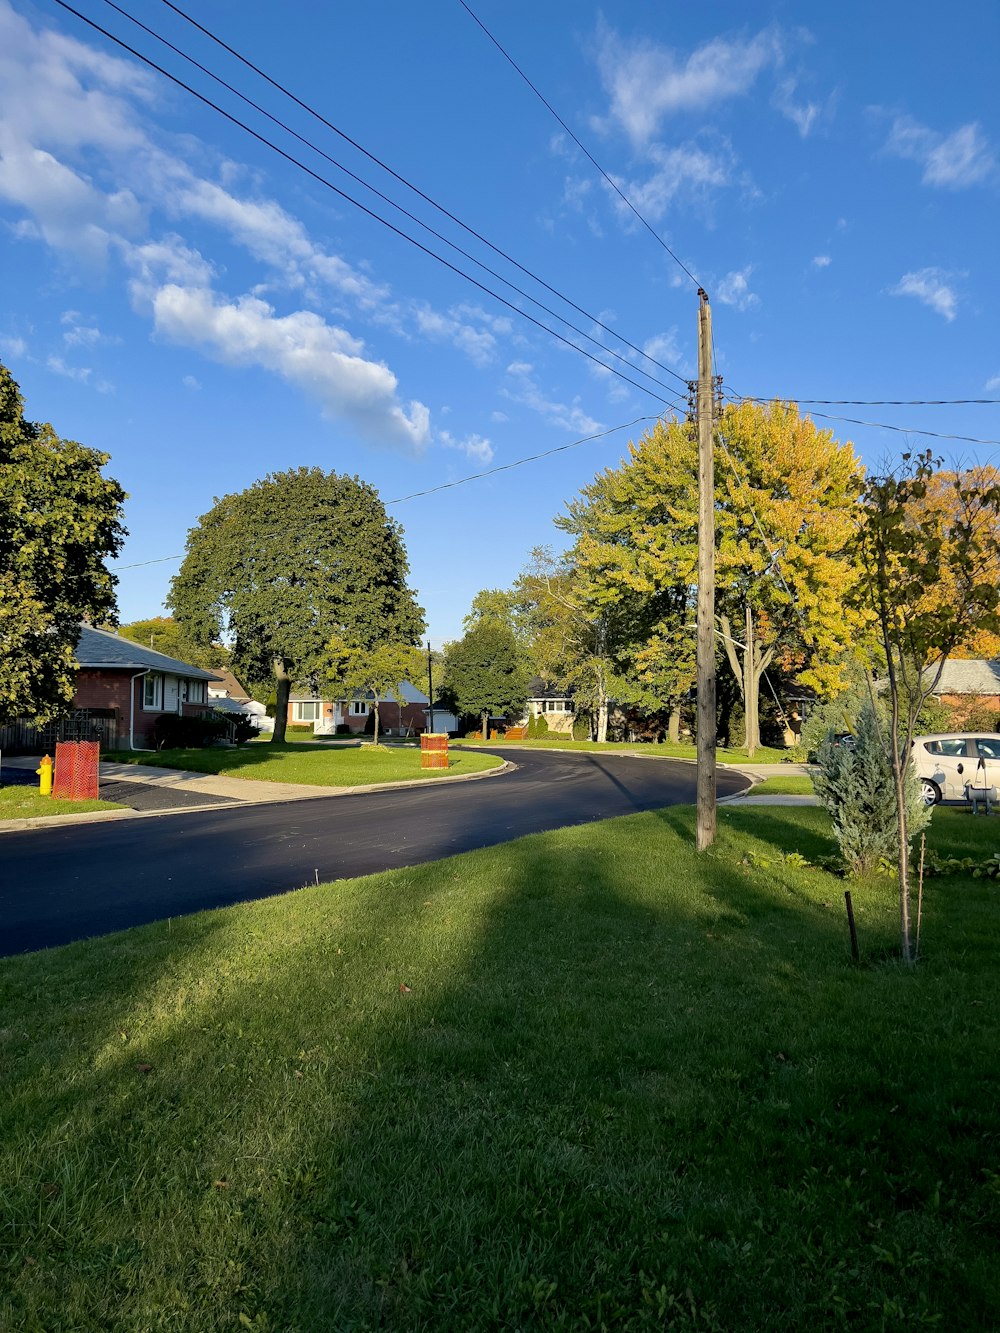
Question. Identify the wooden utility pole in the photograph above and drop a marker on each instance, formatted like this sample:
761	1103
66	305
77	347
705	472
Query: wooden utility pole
706	580
430	689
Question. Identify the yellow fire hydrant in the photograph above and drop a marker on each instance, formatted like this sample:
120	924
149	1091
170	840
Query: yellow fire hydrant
44	772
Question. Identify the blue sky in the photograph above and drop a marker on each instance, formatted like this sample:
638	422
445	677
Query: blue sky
179	296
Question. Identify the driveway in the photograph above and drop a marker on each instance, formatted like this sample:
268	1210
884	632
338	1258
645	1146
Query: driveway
63	884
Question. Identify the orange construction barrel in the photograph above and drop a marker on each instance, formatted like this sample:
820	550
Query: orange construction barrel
434	749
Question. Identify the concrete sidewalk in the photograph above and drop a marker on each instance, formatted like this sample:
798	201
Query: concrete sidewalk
217	791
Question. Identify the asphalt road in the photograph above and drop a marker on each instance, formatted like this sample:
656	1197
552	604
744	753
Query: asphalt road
67	883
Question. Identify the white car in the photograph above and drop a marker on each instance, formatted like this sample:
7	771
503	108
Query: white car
947	761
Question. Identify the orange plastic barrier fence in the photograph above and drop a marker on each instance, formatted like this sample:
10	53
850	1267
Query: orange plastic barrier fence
434	750
76	770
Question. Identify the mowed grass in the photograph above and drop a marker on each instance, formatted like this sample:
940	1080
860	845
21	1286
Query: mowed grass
792	784
587	1080
662	750
321	766
19	802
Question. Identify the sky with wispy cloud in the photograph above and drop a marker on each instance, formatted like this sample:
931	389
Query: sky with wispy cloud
178	294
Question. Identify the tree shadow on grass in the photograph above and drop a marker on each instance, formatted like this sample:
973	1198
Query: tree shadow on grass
576	1081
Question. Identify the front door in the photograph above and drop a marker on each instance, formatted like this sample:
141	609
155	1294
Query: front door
171	695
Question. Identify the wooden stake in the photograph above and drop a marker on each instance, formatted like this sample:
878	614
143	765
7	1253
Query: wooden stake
855	951
920	892
706	817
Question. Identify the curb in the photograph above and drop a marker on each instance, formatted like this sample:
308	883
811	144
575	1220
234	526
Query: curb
236	803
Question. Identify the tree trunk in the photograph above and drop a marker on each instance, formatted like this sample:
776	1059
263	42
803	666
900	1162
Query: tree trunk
674	726
486	725
282	691
748	667
375	732
602	714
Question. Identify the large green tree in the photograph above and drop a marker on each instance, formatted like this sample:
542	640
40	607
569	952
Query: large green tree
277	570
786	499
165	635
486	672
60	520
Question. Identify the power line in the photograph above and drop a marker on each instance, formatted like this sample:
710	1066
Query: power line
532	458
583	149
403	180
322	180
392	202
880	402
461	481
877	425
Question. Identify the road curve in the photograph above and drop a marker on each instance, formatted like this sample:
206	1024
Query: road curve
67	883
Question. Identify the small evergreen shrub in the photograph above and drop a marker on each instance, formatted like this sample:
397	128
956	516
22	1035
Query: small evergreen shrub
855	785
581	727
541	725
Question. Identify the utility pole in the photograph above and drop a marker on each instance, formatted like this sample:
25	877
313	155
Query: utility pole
430	689
706	580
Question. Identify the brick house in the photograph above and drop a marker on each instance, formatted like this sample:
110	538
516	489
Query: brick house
968	684
326	715
136	684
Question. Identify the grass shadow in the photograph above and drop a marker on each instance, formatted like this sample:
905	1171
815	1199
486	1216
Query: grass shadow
588	1079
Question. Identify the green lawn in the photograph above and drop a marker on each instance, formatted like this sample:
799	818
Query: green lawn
793	784
763	755
321	766
25	803
587	1080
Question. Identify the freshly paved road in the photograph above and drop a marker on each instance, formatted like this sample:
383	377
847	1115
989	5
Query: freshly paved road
63	884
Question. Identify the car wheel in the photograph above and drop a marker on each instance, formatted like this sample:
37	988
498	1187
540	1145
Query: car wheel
930	793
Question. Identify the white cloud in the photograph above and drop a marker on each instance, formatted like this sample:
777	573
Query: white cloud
478	344
687	170
953	161
734	289
59	367
525	390
499	417
71	124
665	348
473	446
304	350
190	382
802	114
993	383
12	346
647	82
822	261
932	287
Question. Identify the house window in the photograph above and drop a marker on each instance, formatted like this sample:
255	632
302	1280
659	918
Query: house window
197	691
306	710
359	708
152	690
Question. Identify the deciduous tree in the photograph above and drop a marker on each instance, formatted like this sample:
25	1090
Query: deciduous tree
165	635
378	671
60	521
785	499
486	673
929	579
278	569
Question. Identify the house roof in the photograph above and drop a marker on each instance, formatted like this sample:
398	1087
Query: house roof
99	648
975	676
540	689
228	685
